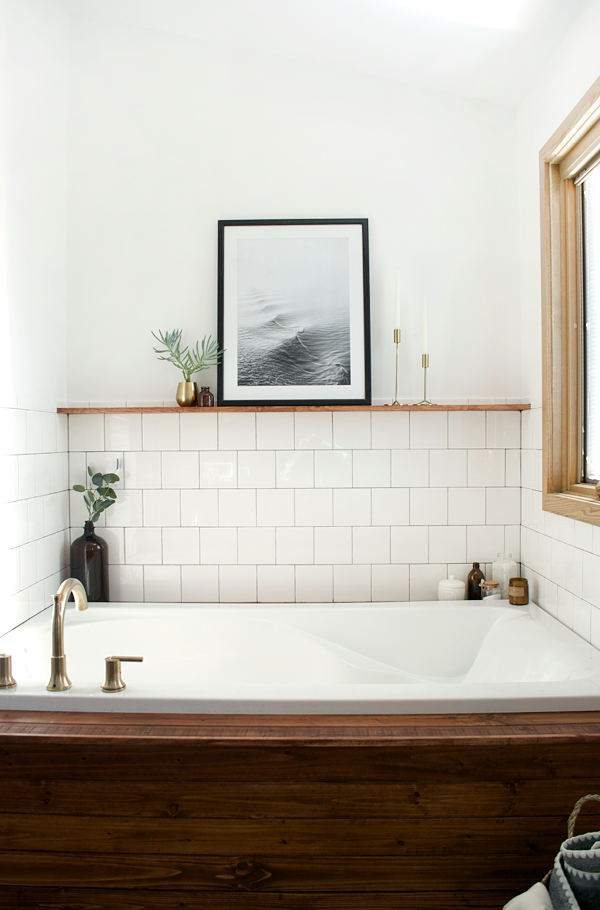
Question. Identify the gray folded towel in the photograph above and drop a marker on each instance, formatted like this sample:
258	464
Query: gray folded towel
575	881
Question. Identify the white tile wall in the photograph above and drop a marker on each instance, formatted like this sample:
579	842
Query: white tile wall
304	507
34	507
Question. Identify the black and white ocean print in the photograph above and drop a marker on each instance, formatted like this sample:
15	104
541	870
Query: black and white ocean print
293	311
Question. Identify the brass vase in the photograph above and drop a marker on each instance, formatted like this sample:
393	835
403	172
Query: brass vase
187	394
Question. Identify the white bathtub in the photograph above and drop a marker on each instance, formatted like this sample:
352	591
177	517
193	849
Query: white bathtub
319	659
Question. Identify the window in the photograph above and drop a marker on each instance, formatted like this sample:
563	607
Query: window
570	190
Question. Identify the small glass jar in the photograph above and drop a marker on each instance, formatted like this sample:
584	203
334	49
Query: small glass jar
490	589
518	592
503	568
206	399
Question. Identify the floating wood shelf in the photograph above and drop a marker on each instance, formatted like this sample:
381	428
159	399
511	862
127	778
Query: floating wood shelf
326	407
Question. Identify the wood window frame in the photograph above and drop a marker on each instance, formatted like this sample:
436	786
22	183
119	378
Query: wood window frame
562	336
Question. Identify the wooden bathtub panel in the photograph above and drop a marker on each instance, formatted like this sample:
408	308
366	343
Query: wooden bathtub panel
92	899
448	873
287	799
284	837
35	758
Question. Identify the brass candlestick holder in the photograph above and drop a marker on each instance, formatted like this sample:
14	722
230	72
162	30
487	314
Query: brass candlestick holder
425	364
397	343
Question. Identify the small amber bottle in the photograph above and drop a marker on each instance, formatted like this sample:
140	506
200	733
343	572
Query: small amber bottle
473	582
206	399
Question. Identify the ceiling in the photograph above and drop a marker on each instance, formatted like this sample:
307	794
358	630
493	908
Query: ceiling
393	39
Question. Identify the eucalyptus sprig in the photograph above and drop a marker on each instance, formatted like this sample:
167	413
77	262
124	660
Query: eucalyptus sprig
99	499
189	361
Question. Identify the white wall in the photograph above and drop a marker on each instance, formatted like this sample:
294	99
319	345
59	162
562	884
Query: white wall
560	556
169	134
33	237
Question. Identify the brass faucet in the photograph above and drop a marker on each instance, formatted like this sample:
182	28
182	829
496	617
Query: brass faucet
59	681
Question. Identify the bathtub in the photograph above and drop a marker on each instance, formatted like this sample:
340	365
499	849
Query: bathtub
318	659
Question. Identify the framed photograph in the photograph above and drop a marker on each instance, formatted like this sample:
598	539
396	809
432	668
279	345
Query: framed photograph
294	312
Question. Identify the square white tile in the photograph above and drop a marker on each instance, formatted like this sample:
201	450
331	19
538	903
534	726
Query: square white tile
352	430
466	429
256	546
162	584
352	584
143	546
275	507
162	508
42	474
160	432
35	431
49	439
486	467
123	432
313	507
127	511
180	470
313	430
389	430
13	431
389	584
484	543
410	468
448	467
424	581
276	584
333	469
59	471
115	538
503	506
503	429
294	469
428	430
352	507
126	583
333	545
294	546
237	508
513	467
526	430
35	518
274	431
200	584
429	506
142	470
237	584
198	431
466	506
448	544
237	431
50	508
27	478
77	468
199	508
370	545
314	584
582	613
43	558
371	468
390	507
180	546
256	469
409	544
218	545
218	469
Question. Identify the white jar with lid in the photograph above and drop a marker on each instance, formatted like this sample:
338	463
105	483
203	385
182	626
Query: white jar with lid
503	569
451	589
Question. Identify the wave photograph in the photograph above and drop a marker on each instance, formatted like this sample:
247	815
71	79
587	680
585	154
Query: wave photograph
293	312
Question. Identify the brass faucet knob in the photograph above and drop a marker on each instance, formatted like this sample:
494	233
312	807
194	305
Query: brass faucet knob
113	681
7	681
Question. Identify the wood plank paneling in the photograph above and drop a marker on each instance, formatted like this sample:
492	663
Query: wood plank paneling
238	874
288	799
284	837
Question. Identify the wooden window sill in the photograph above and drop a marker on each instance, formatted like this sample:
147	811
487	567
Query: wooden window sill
580	506
373	407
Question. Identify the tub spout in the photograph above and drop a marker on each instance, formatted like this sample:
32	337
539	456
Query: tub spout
59	681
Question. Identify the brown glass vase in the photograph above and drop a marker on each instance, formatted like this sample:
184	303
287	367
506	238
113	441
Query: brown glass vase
89	564
206	399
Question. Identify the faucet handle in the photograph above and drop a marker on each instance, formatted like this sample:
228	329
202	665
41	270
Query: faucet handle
113	681
7	680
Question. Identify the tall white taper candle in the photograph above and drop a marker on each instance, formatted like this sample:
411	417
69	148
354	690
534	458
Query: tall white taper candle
425	341
397	320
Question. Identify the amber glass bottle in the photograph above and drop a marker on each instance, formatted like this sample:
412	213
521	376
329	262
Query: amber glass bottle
89	564
206	399
474	578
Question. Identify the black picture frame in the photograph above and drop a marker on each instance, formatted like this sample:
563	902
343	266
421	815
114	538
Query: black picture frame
293	306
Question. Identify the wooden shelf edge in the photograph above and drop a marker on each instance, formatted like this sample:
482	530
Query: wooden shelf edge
372	407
